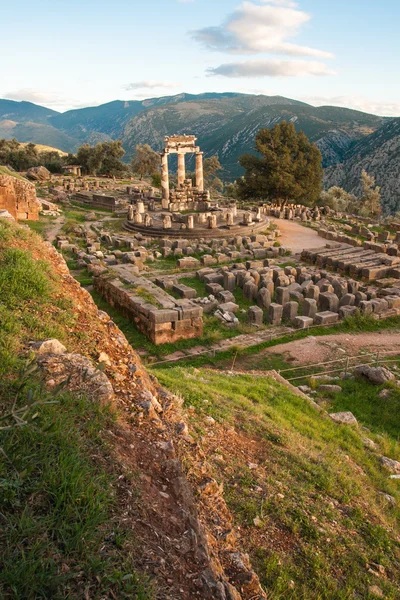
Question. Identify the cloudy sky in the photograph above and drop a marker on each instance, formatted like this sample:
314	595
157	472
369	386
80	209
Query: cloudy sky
71	54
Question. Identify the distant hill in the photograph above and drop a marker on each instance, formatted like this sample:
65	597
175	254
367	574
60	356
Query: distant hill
379	155
225	124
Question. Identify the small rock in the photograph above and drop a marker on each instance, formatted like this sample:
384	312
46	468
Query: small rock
51	346
388	498
376	591
329	388
384	394
210	420
375	375
391	465
346	418
304	388
104	358
369	444
182	429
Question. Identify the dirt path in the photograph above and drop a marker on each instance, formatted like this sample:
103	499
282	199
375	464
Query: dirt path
54	230
329	347
296	236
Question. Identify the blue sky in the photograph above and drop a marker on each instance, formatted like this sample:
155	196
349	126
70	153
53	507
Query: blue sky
72	54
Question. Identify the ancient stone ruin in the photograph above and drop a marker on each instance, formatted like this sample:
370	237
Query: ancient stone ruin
18	197
188	211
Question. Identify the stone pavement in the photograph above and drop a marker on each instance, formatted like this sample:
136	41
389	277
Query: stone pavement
245	340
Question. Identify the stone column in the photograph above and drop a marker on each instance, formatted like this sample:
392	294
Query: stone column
199	172
190	222
229	219
137	218
130	213
212	221
181	169
140	207
167	222
164	179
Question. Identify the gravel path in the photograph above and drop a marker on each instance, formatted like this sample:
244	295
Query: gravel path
296	236
328	347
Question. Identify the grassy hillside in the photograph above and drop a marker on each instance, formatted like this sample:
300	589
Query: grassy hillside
59	537
305	492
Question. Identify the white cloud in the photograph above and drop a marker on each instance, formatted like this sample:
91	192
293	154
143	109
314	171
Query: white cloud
148	85
271	68
35	96
384	109
254	28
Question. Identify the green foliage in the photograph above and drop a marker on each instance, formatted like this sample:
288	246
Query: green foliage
211	167
23	156
289	168
21	277
57	500
56	504
102	159
315	491
145	161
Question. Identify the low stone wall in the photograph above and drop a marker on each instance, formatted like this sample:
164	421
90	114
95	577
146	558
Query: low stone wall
18	197
101	201
181	320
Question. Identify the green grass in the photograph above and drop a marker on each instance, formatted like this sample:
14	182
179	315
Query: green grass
56	537
42	225
321	518
58	534
5	171
380	415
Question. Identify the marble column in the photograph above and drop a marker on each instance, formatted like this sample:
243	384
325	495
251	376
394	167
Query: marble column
165	180
190	222
140	207
199	172
181	169
130	212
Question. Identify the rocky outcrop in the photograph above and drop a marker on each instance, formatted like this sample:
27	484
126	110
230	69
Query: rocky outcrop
38	174
18	197
379	155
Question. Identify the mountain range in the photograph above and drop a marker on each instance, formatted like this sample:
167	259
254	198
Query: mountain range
226	125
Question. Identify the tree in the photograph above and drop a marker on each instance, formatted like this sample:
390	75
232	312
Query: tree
146	161
371	196
210	168
289	168
103	158
338	199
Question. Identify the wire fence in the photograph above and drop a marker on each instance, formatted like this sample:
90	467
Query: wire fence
343	365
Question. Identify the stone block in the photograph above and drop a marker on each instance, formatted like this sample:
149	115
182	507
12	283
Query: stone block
255	315
275	312
347	311
347	300
250	290
328	301
309	307
213	288
326	317
225	296
282	295
313	292
229	281
264	298
303	322
290	311
229	307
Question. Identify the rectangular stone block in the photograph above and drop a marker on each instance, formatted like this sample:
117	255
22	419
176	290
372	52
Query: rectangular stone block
326	318
303	322
275	312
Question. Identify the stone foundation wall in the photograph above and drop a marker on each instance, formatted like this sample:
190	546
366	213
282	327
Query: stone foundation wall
19	198
160	325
